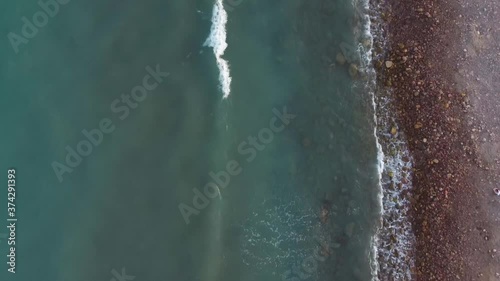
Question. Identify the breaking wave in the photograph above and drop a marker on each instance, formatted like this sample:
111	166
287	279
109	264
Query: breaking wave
217	41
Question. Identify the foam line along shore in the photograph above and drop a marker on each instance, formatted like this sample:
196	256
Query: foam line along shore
428	60
393	243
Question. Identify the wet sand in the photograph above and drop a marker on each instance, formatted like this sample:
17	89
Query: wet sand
442	64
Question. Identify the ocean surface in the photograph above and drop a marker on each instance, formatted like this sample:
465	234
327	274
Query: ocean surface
189	140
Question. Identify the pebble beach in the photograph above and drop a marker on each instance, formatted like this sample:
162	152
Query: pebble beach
439	60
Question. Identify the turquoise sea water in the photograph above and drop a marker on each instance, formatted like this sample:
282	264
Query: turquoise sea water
119	208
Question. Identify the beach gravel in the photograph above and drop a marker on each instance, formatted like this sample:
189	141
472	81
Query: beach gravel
441	63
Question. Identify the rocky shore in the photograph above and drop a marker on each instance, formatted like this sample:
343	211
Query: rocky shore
440	63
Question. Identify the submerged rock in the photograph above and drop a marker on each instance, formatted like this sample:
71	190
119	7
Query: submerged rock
353	70
367	43
340	58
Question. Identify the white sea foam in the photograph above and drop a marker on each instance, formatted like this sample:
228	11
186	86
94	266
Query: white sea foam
279	233
392	244
217	40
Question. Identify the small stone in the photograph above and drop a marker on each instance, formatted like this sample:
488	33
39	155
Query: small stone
435	161
418	125
389	64
394	131
424	140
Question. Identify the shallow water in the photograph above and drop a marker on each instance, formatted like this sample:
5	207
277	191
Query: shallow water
119	207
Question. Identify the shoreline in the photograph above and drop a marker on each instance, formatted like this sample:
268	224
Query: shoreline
393	242
439	110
